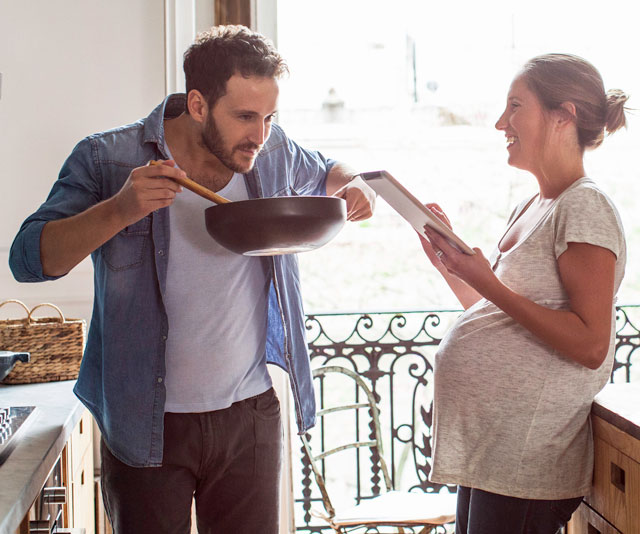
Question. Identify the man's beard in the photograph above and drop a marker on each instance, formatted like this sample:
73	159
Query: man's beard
213	141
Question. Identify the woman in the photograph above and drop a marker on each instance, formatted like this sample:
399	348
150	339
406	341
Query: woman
516	375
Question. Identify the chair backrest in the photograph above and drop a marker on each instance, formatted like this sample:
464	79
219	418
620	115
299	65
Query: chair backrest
365	413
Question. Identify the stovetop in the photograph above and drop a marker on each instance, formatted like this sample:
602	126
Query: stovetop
13	421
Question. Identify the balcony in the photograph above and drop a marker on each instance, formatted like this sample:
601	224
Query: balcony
394	352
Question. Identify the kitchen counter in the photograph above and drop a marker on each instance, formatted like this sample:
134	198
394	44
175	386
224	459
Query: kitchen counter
49	427
612	504
619	405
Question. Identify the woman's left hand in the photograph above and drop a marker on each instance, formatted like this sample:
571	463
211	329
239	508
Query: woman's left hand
474	270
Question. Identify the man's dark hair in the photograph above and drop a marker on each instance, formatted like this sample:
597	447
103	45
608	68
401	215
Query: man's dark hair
221	52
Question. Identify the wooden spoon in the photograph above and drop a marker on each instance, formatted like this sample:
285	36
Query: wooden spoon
198	189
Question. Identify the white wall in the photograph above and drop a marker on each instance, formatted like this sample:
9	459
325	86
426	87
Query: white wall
70	68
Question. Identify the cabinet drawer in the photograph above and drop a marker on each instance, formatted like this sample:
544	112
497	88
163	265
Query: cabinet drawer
616	487
83	505
587	521
80	440
617	438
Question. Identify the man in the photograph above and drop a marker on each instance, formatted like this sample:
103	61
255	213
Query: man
175	365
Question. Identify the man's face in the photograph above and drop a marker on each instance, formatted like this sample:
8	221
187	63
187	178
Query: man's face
239	123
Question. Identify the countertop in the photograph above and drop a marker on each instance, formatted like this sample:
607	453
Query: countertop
619	405
22	475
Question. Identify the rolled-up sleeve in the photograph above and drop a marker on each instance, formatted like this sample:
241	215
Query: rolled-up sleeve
76	189
310	170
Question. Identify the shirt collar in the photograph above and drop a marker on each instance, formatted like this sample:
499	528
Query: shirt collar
169	108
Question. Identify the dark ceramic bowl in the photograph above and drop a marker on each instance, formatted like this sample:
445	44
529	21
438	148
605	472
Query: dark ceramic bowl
8	359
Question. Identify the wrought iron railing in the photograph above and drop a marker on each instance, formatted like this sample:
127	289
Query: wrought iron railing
395	353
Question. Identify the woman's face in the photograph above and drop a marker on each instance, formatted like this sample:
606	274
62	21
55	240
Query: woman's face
524	124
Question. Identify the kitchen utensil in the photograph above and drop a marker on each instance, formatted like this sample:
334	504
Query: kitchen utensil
280	225
270	226
198	189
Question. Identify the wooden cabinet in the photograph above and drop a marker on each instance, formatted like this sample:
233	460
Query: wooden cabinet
587	521
613	506
74	471
78	468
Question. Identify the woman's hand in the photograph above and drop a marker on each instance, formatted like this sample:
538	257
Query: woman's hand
474	270
463	291
426	245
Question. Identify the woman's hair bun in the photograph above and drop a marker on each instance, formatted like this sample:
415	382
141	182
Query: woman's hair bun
615	117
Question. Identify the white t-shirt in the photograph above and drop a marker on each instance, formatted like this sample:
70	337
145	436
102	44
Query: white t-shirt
511	414
216	303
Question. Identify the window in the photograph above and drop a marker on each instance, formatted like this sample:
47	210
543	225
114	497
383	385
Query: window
415	87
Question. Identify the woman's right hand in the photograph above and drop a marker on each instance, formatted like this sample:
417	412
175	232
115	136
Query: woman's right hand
463	292
426	244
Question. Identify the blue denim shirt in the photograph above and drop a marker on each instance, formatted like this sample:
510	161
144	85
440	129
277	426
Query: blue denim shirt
121	378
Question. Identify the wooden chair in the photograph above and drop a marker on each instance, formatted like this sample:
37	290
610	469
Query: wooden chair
398	509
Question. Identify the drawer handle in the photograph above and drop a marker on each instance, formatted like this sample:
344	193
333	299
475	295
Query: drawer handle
617	476
54	495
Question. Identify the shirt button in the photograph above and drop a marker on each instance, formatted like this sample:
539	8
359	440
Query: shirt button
161	252
159	380
164	338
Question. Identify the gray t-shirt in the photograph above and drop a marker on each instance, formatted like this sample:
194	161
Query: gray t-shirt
512	414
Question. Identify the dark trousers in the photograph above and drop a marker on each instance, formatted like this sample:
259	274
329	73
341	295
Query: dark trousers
229	460
481	512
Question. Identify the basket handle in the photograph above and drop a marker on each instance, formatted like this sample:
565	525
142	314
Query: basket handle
45	304
15	301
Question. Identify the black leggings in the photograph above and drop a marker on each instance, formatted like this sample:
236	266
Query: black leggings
481	512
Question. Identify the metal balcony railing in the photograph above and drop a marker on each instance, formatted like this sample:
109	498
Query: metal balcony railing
395	352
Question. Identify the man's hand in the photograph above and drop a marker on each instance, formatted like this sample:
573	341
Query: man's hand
66	242
147	189
361	199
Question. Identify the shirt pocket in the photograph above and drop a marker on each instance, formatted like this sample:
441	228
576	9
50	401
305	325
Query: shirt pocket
126	249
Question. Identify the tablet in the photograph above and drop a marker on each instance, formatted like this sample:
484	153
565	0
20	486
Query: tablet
410	208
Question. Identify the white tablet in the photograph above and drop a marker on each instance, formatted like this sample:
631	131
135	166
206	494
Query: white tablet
411	209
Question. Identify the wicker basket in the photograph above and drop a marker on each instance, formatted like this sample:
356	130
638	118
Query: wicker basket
55	343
